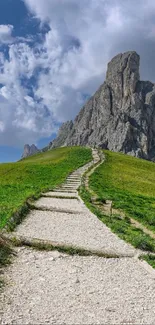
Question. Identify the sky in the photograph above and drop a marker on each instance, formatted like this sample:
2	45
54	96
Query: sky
53	57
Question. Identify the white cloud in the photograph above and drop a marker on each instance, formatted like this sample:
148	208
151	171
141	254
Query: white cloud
47	82
6	34
2	126
23	117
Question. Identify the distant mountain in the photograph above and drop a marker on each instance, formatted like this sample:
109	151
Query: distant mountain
121	114
29	150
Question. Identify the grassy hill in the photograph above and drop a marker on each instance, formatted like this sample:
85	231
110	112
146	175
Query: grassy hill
130	183
29	177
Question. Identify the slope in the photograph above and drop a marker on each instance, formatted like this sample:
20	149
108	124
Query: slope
130	183
22	180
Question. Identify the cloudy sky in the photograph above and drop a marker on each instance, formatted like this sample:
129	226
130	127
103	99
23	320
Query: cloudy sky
53	56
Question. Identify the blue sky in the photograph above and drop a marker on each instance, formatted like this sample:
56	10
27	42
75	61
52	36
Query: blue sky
54	55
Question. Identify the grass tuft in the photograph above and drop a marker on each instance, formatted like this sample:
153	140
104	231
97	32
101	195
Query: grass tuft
150	259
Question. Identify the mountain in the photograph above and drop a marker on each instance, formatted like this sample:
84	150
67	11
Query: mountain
64	131
121	114
29	150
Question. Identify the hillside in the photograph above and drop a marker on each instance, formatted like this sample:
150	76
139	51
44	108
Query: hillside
31	176
129	183
120	116
126	181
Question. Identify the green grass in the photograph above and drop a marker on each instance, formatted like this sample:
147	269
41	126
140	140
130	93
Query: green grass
6	253
150	259
29	177
130	183
122	227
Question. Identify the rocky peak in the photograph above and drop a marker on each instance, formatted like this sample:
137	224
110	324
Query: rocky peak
120	116
124	66
29	150
122	77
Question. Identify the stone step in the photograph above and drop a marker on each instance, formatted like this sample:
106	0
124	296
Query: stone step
69	188
65	191
73	180
70	185
78	175
82	230
61	195
56	204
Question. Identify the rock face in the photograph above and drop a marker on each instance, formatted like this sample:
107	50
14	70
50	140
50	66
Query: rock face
48	147
121	114
29	150
63	133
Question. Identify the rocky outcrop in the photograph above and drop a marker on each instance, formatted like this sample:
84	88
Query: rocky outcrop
48	147
63	133
29	150
120	116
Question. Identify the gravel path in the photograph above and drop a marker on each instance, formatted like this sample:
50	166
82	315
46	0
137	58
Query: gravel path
82	230
52	288
55	204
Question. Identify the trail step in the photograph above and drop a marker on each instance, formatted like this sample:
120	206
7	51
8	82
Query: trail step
60	194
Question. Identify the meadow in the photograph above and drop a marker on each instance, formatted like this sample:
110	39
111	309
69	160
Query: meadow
130	183
29	177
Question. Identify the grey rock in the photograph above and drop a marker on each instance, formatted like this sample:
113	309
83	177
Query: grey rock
48	147
63	133
121	114
29	150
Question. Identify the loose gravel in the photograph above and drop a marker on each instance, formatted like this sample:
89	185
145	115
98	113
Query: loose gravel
52	288
66	205
82	230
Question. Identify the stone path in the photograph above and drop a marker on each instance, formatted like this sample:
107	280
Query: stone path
55	288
